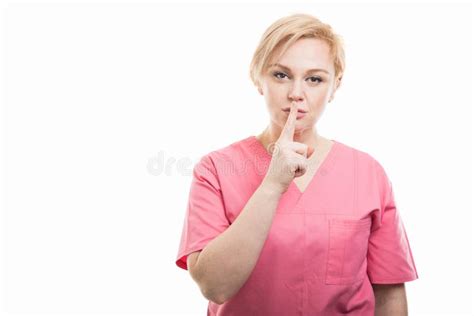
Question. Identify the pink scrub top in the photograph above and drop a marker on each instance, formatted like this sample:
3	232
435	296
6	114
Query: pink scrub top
326	245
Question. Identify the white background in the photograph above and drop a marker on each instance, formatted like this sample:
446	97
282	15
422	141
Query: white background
107	106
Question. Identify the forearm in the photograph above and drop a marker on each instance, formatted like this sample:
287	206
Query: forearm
390	300
225	264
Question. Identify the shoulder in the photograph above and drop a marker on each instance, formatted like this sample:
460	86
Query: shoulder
367	164
227	156
371	175
362	156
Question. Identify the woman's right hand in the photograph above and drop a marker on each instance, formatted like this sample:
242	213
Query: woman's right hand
289	158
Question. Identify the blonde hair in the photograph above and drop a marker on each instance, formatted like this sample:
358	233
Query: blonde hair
287	30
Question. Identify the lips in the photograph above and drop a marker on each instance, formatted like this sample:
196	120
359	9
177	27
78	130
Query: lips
287	109
299	114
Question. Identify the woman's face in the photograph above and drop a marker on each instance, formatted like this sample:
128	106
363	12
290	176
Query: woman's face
293	80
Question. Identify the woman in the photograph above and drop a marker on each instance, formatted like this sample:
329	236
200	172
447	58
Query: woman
290	222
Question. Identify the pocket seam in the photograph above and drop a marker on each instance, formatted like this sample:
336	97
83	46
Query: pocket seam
350	222
356	225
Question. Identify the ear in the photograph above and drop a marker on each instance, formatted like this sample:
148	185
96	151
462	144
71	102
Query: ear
336	86
338	82
260	90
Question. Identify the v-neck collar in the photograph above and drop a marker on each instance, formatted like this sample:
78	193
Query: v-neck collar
322	170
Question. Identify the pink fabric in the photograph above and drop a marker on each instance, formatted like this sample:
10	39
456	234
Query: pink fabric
325	246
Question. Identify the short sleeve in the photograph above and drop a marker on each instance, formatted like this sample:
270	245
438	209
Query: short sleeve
389	256
205	216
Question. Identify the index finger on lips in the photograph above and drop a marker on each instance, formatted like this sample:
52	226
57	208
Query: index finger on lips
288	130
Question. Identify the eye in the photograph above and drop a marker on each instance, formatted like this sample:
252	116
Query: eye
276	74
312	79
317	78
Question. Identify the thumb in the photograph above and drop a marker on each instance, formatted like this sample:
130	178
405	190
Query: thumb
310	151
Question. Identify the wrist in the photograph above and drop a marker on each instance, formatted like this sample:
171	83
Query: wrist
272	187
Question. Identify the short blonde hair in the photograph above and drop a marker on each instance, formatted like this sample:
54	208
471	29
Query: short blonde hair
287	30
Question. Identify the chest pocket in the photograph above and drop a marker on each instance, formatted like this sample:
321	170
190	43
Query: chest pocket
347	253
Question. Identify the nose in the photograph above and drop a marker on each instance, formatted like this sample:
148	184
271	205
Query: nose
296	92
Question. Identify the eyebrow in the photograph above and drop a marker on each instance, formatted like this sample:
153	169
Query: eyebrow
309	70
